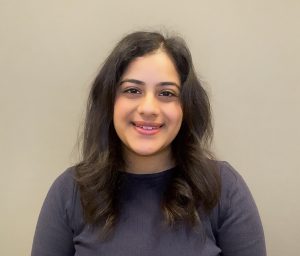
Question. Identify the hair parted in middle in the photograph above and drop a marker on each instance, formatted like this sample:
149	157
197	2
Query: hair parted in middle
97	175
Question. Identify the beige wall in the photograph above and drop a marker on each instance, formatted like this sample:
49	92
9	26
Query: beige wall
247	52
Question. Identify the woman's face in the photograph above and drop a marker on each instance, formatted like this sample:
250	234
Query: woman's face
147	111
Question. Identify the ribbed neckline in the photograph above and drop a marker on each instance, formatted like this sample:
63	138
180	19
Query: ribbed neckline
149	176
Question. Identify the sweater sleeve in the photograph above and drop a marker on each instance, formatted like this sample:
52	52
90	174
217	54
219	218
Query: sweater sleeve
239	231
54	232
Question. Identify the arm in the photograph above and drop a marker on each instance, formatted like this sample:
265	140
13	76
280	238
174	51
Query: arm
54	234
240	231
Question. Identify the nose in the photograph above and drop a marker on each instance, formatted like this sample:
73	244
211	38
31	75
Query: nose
148	105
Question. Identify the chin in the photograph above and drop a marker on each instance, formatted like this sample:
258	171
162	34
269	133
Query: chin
147	151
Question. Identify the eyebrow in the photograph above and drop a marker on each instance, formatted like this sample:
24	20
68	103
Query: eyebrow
135	81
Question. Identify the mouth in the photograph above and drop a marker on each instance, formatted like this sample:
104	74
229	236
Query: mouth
147	128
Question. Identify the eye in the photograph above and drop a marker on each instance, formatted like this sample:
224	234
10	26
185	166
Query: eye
168	94
132	91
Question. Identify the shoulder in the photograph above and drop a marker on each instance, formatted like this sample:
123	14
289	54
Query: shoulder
236	203
64	184
235	199
58	220
66	179
232	183
235	220
63	192
63	199
227	173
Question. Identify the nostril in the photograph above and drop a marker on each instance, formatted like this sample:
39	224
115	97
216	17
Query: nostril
148	107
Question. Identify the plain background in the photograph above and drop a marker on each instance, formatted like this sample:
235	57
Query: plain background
246	52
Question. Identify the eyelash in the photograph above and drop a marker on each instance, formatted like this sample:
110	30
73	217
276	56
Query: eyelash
132	91
162	93
170	94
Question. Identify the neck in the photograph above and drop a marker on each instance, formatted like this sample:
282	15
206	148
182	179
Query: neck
140	164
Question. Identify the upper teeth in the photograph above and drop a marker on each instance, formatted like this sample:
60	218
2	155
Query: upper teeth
147	127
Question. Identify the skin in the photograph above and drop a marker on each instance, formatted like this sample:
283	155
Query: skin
147	112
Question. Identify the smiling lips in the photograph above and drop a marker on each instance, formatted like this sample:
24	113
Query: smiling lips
147	128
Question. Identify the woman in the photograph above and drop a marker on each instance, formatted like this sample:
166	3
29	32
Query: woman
147	183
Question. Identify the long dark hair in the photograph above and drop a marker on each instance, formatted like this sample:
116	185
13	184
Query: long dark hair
197	184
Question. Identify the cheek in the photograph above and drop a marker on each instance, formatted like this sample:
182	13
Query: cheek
179	118
176	116
117	115
121	111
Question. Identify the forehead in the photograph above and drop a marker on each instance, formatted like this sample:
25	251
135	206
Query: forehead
157	65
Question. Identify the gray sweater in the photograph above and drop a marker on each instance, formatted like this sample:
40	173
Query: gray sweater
233	228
